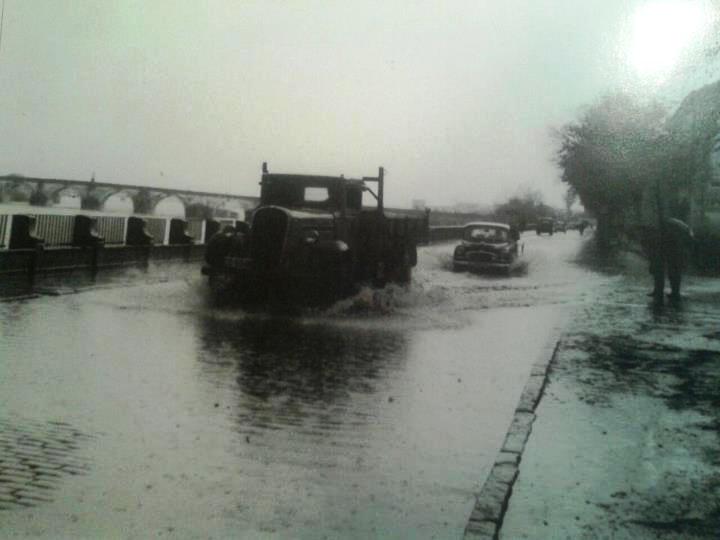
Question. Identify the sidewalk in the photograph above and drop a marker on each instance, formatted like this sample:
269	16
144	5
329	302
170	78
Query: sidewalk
624	442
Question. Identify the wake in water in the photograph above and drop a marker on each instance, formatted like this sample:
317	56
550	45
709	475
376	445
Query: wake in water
435	298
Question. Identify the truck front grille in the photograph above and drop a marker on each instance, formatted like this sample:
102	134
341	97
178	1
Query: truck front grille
269	230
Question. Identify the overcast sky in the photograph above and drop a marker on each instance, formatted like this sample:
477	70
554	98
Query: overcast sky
455	99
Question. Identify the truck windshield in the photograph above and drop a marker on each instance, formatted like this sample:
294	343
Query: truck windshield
297	194
316	194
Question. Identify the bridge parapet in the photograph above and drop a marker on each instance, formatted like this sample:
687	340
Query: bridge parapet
93	196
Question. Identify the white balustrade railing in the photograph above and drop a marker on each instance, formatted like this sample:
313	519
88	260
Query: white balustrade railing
57	229
196	229
4	231
112	228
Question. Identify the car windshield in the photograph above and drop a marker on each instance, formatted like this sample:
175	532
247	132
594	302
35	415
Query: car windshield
486	233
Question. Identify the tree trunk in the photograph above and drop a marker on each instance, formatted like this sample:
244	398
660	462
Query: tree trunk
603	234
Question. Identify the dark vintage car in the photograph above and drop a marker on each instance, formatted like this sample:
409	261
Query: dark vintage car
487	246
545	225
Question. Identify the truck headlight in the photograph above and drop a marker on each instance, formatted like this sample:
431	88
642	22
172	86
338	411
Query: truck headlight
310	237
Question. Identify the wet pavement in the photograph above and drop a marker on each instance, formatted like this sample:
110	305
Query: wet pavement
142	410
625	444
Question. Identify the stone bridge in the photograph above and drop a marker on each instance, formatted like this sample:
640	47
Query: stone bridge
93	196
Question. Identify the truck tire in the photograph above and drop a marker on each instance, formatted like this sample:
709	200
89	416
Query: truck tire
404	268
221	287
413	256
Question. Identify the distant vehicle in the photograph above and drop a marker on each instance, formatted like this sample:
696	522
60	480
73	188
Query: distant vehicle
487	246
311	240
560	226
545	225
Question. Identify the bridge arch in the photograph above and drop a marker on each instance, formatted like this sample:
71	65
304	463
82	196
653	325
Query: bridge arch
170	205
20	191
67	196
118	201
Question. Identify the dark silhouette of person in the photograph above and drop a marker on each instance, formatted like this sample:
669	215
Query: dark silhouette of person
667	247
666	240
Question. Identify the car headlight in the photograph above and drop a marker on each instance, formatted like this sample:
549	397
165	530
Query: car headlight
460	251
310	237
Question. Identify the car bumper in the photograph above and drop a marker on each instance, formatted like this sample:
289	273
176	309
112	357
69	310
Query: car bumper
481	265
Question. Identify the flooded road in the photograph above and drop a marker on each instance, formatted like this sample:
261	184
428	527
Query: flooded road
143	410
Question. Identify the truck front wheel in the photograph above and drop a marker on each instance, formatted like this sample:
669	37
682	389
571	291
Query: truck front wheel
403	271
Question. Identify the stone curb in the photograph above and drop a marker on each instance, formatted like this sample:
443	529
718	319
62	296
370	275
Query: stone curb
491	502
19	297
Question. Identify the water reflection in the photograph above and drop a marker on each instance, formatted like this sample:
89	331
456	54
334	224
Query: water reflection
293	372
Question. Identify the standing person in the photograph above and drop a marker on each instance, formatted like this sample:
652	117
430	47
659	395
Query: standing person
677	238
665	240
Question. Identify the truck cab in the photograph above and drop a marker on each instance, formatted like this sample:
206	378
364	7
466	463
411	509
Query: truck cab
332	194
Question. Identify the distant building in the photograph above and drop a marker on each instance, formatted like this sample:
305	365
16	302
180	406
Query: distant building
696	128
696	123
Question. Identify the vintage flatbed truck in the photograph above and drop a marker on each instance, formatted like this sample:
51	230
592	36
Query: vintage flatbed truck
312	240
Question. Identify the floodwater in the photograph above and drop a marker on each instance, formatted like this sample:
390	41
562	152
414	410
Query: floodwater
142	410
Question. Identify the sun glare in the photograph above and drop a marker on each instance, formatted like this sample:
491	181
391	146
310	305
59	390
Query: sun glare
661	31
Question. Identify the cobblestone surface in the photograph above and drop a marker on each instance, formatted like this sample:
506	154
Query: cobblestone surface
35	457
